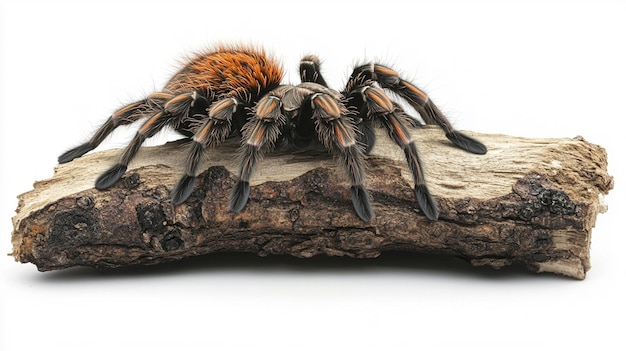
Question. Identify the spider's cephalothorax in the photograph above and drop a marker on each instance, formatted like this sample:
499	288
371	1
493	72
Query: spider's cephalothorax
236	90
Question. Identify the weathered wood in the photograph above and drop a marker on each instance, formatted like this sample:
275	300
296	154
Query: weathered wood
528	201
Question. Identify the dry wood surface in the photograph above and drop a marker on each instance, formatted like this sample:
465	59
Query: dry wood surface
527	201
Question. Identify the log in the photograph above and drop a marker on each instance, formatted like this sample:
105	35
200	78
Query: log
532	202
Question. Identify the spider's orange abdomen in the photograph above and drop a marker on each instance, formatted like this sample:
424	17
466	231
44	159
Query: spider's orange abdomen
240	70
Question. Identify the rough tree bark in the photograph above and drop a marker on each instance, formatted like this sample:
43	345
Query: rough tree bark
528	201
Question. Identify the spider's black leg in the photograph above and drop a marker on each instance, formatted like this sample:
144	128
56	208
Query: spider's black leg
214	130
158	119
126	115
310	70
259	134
366	135
389	79
338	133
393	118
322	114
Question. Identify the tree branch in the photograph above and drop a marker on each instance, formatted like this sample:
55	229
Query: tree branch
528	201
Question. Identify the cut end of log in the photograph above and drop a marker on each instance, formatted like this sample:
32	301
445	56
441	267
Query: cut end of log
527	201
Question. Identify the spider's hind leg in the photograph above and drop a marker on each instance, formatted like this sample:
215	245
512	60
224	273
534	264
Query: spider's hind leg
159	115
394	120
126	115
389	79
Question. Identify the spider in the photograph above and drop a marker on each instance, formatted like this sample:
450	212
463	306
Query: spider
236	91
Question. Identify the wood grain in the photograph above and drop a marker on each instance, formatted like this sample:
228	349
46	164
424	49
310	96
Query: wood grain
527	201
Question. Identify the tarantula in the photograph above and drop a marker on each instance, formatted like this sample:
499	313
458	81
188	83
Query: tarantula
237	91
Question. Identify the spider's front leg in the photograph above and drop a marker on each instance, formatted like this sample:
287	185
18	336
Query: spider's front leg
125	115
158	118
259	134
214	130
338	134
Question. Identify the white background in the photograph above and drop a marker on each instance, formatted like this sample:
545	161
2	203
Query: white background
533	68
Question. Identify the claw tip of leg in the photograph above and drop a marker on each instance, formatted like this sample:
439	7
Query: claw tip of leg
76	152
183	189
361	202
426	202
467	143
110	177
239	196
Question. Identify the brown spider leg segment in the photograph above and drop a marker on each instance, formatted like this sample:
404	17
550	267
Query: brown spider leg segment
393	118
389	79
338	133
159	118
214	130
260	133
126	115
310	70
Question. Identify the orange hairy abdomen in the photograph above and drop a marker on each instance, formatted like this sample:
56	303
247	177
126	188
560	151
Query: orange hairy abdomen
228	71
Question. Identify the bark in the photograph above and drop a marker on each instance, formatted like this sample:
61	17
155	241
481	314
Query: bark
527	201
